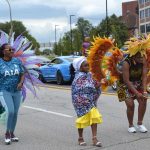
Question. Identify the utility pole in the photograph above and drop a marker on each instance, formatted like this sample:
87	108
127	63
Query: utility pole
11	23
107	19
72	51
56	37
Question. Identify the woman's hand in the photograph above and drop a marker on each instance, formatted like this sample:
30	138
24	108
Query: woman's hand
145	95
140	96
97	84
19	86
104	81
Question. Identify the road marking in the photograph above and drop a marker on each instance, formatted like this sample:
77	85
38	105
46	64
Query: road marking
50	112
106	93
55	87
68	89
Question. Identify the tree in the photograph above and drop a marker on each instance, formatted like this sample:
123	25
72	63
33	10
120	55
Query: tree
77	40
37	51
19	28
60	48
63	46
116	28
83	28
46	52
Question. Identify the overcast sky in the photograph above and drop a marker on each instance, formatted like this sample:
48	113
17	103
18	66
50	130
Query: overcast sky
41	16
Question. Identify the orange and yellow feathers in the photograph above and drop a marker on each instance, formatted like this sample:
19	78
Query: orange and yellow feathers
97	52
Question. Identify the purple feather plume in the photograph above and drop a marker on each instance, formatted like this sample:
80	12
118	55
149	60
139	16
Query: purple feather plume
3	38
18	42
25	46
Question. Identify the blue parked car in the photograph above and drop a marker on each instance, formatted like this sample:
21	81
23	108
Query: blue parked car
57	70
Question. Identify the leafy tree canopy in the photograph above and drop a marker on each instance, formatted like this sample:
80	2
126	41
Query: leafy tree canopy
19	28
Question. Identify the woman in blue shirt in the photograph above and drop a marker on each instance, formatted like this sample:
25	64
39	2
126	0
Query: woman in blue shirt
11	81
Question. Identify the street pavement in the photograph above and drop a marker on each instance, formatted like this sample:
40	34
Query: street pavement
47	123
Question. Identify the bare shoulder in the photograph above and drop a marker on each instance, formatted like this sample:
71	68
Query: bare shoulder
125	65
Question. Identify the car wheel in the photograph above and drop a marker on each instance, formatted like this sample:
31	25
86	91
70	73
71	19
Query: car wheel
42	79
59	78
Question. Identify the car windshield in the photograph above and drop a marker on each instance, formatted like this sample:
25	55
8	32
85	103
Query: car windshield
70	59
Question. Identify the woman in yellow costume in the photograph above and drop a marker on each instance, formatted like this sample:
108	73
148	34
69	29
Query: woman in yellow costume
133	82
85	92
132	78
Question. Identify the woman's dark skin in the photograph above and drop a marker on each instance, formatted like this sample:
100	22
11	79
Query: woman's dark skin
8	54
141	97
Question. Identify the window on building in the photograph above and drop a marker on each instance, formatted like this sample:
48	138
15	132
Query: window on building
147	1
147	12
142	1
142	14
148	28
142	28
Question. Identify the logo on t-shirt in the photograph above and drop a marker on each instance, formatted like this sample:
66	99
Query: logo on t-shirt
11	72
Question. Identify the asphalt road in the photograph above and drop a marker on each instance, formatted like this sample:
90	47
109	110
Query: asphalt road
47	123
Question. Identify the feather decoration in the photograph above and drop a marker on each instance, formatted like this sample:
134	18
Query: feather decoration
95	58
148	57
136	45
25	46
3	37
100	64
12	39
24	93
22	50
18	42
112	61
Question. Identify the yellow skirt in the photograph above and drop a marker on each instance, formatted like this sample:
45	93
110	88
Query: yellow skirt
92	117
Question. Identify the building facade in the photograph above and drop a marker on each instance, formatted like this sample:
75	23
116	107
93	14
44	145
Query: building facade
130	16
144	16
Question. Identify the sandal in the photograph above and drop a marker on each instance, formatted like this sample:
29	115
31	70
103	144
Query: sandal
96	142
81	141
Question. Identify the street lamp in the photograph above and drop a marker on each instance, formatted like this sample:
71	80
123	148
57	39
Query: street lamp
71	33
106	19
11	23
55	34
56	37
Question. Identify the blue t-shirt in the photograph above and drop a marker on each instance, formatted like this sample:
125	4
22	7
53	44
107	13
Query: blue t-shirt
10	72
